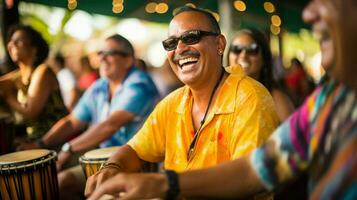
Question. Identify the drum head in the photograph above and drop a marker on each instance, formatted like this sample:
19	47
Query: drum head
23	156
102	153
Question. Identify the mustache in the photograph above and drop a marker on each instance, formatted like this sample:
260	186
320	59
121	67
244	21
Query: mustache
191	53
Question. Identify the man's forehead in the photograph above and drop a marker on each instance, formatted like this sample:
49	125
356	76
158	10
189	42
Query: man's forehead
189	20
112	43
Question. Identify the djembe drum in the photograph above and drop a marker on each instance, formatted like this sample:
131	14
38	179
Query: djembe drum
29	174
94	159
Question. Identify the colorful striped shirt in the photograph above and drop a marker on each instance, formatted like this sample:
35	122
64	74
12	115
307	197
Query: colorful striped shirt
320	138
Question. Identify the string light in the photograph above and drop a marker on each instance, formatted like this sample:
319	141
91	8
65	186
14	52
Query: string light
269	7
72	4
240	5
150	7
274	29
275	20
162	8
118	6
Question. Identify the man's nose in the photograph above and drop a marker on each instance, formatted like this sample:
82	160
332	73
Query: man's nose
181	47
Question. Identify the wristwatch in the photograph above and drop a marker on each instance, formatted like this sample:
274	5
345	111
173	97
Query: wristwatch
67	148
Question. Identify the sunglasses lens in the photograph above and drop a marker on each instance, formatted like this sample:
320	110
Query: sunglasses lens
251	50
236	49
188	38
112	52
170	44
191	38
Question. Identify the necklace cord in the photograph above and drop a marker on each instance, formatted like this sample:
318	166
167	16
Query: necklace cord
193	143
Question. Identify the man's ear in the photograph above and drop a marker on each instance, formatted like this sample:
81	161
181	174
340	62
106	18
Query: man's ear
221	44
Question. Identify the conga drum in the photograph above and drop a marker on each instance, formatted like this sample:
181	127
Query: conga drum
92	160
29	174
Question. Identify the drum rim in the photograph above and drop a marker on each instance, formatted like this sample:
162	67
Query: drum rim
28	163
85	160
92	160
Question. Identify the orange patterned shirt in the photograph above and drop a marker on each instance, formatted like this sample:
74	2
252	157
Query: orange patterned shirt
241	119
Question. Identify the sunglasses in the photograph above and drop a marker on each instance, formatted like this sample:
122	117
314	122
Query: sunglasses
188	38
252	49
113	52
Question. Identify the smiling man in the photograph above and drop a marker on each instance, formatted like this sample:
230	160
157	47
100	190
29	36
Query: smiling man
219	115
320	138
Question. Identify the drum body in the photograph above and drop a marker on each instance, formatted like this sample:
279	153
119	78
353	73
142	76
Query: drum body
93	160
29	174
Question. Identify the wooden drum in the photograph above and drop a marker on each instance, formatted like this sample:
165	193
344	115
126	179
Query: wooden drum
93	160
29	174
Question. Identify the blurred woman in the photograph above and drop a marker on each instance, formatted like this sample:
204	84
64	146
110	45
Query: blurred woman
32	91
250	49
86	74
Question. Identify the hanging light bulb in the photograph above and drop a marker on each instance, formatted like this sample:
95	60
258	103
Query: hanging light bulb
118	6
269	7
72	4
240	5
274	29
150	7
162	8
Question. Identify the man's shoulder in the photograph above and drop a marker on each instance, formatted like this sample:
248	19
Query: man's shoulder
100	84
253	86
137	76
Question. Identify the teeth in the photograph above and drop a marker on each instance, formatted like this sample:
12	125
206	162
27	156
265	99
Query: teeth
186	60
244	64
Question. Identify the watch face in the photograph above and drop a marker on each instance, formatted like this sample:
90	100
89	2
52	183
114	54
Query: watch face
66	147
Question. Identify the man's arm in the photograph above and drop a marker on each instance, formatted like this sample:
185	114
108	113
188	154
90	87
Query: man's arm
101	131
62	130
235	179
95	135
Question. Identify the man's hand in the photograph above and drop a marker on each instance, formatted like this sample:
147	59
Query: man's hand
98	178
133	186
63	157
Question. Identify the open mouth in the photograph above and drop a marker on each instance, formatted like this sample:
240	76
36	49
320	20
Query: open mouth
187	61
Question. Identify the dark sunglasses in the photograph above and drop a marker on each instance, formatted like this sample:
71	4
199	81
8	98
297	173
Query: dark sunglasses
252	49
113	52
188	37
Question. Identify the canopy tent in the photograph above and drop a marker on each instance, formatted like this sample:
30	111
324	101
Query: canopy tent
254	15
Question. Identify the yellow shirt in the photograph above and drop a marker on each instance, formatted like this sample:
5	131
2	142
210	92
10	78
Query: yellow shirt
242	118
